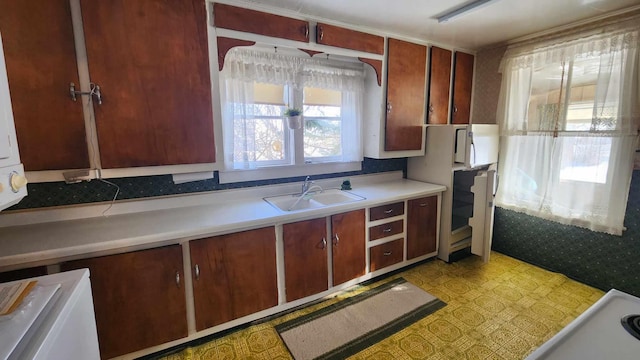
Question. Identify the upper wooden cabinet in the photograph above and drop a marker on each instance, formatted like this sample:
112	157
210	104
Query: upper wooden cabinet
462	86
150	59
258	22
349	39
41	62
138	297
233	275
305	258
406	79
422	225
439	84
348	246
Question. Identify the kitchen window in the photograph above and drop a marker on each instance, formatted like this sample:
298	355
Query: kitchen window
569	114
258	85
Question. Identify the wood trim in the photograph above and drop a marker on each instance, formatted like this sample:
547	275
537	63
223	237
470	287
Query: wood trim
310	52
376	65
225	44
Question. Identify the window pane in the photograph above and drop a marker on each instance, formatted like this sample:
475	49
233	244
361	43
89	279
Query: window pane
544	108
322	124
585	159
259	131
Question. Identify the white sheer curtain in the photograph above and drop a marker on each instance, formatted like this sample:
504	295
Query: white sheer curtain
569	115
244	67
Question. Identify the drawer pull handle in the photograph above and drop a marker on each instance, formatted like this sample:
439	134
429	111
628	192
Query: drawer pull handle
306	31
178	278
324	243
387	230
197	272
335	243
423	204
388	211
321	32
387	253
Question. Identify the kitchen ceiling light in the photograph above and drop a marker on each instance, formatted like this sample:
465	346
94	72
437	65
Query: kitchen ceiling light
462	10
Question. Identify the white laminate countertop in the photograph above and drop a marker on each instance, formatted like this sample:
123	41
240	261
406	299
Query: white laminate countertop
186	218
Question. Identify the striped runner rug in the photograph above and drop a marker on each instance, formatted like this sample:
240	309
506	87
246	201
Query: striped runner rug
346	327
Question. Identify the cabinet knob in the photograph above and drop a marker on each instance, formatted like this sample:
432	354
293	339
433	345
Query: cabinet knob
431	109
324	243
197	271
337	238
178	278
306	31
455	109
389	107
321	33
387	253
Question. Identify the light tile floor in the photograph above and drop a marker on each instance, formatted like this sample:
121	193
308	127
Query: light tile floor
500	310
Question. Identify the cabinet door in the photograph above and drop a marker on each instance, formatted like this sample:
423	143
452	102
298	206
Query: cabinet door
462	83
349	39
41	62
138	298
406	78
348	246
421	226
439	83
150	59
258	22
233	275
305	258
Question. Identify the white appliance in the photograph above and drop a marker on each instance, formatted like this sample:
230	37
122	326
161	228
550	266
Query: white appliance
54	322
477	145
609	329
462	158
12	180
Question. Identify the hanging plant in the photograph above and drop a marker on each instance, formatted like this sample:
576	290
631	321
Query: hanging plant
294	118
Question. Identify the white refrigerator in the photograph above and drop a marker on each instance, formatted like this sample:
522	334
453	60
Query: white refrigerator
463	158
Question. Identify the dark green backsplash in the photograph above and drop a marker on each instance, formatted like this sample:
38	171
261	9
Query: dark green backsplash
600	260
58	193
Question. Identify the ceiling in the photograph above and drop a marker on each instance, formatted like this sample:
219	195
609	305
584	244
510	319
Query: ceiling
493	23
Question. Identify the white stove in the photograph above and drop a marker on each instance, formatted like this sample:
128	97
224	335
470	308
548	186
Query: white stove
12	181
54	322
607	330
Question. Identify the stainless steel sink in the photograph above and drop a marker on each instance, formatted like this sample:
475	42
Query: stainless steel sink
312	200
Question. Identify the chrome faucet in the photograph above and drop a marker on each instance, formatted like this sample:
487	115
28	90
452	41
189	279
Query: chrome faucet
305	185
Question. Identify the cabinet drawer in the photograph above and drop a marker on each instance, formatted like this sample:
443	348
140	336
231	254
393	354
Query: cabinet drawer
385	255
384	230
385	211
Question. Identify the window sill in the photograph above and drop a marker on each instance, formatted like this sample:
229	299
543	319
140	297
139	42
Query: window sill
279	172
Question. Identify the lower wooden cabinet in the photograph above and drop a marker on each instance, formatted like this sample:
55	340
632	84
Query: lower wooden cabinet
348	246
305	258
386	254
422	217
233	275
138	297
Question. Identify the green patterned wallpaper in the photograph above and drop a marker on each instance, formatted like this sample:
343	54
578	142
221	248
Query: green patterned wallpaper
597	259
58	193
